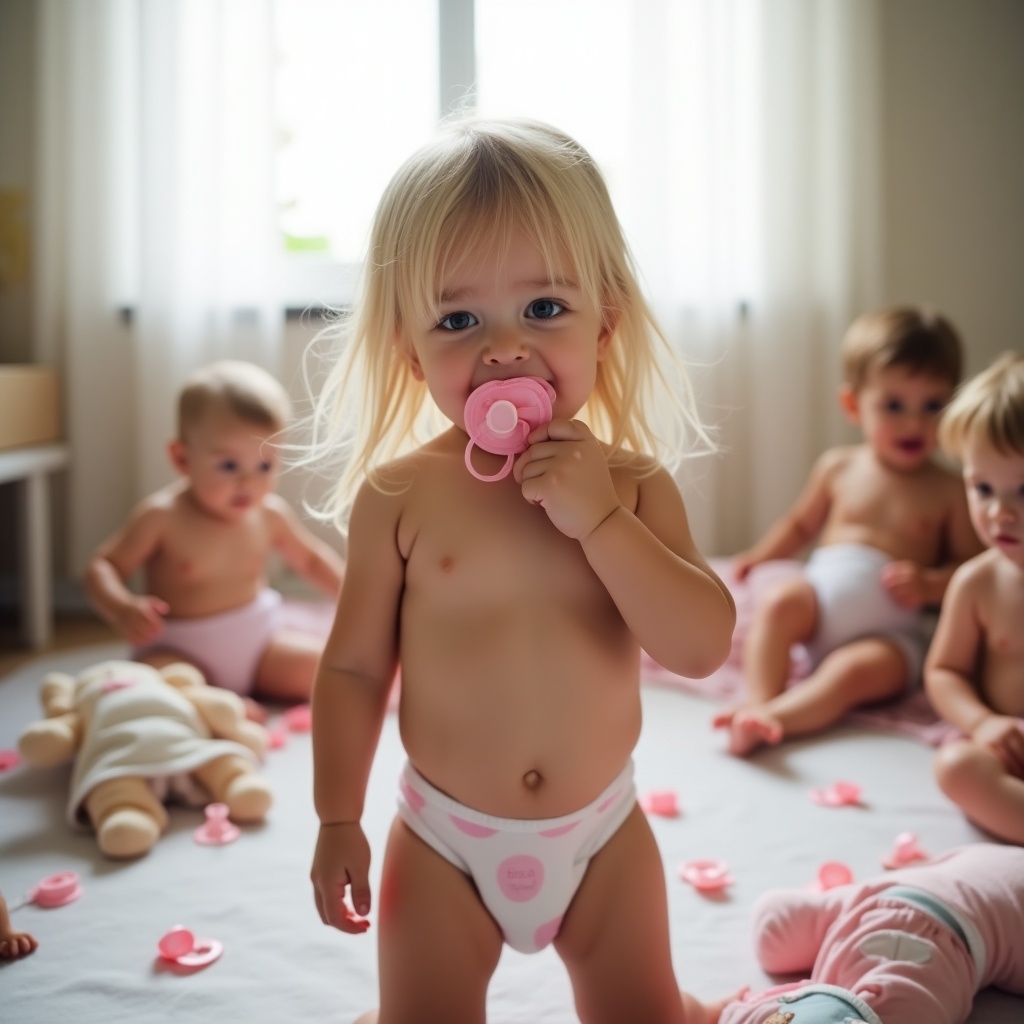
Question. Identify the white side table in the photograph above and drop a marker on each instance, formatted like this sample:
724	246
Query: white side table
29	467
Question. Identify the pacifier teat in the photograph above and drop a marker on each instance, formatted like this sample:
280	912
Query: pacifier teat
499	416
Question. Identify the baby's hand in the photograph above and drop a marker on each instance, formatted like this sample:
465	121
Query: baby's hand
141	620
342	862
905	583
1004	736
565	472
742	564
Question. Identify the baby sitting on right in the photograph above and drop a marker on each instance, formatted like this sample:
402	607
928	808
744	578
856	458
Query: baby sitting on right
891	526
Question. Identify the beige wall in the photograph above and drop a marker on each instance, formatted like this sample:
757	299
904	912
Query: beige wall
953	88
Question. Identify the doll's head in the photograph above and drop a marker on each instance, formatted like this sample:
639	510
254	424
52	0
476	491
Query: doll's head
478	186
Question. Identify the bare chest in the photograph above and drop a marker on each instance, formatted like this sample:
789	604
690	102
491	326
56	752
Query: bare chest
197	552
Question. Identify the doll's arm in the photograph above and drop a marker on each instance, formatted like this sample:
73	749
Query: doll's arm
52	741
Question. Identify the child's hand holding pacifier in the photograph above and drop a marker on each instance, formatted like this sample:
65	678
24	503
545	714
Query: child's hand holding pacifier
141	620
565	471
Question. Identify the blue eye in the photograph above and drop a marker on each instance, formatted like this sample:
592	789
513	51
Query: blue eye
544	309
459	321
228	466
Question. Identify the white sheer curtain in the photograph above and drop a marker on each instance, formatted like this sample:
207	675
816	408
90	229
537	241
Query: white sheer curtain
155	190
740	139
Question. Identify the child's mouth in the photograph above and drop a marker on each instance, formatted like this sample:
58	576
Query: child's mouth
911	446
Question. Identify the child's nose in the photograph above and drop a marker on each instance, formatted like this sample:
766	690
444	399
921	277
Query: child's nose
505	345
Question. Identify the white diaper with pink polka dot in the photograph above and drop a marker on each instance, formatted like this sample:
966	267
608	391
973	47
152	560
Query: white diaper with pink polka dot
527	871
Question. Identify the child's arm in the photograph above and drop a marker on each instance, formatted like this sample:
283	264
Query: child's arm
305	553
139	619
801	524
350	699
677	608
953	659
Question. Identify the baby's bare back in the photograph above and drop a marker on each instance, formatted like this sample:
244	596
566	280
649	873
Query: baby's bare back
905	515
520	679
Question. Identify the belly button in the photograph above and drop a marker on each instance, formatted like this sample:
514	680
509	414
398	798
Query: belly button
532	779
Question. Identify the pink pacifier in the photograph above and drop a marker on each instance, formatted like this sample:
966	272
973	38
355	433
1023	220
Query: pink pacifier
662	802
216	830
182	947
706	875
905	851
56	890
839	794
831	874
499	416
9	759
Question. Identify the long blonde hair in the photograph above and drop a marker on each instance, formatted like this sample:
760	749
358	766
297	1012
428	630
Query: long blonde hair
483	181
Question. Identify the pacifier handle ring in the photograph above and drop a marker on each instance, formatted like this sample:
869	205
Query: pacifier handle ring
500	475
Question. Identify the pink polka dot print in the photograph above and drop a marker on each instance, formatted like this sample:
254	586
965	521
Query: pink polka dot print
547	933
520	877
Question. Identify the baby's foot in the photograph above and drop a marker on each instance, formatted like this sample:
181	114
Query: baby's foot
749	728
16	944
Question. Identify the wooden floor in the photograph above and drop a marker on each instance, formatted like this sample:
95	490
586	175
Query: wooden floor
69	631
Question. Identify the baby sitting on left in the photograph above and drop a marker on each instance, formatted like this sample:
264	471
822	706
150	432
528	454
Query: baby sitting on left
140	735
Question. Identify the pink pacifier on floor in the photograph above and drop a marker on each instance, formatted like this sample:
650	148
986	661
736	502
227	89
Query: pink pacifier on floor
706	875
831	874
662	802
182	947
905	851
499	416
839	794
216	830
56	890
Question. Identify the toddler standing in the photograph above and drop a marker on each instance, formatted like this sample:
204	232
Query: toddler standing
518	607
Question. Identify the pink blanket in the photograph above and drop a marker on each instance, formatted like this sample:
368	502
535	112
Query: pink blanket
911	714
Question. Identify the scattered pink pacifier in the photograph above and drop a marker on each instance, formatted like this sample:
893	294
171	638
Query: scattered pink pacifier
56	890
299	718
839	794
499	416
182	947
9	759
905	851
662	802
216	830
831	874
706	875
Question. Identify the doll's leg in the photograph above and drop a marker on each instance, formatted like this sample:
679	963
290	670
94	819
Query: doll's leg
615	937
13	944
862	672
288	666
437	944
127	817
978	782
232	780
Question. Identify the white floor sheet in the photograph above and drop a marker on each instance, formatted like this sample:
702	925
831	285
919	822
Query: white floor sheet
97	962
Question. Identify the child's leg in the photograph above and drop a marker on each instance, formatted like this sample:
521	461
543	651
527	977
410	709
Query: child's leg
978	782
862	672
615	936
288	666
787	615
437	944
13	944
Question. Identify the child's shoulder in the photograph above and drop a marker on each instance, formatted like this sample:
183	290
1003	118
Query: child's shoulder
978	574
837	458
